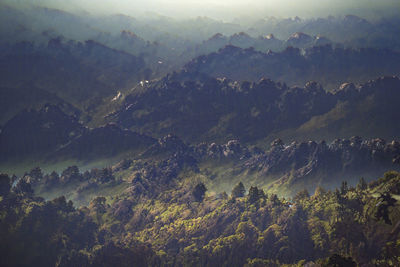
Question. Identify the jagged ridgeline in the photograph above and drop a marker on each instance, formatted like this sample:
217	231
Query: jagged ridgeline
283	169
198	108
325	64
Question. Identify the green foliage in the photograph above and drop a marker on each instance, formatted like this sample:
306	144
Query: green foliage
362	184
301	195
238	190
199	192
40	233
166	228
70	174
385	202
53	233
340	261
344	188
23	187
255	194
5	185
36	173
115	255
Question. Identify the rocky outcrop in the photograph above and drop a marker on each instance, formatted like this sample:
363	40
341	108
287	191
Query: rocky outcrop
169	144
231	150
299	39
346	158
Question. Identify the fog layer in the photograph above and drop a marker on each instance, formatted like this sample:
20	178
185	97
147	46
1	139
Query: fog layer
226	9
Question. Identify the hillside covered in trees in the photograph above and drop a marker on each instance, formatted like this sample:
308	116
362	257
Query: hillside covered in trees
182	223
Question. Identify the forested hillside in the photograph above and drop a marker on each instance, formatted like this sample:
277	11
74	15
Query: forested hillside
182	223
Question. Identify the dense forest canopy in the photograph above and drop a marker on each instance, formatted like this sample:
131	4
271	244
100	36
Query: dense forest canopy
170	224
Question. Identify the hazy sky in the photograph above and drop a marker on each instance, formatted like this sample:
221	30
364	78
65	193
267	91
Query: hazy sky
229	9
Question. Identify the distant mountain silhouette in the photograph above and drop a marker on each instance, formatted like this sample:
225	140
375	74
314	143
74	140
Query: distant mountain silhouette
324	64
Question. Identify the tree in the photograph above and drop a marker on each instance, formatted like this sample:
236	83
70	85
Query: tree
14	178
98	204
52	179
37	174
5	185
303	194
238	190
112	254
274	199
344	188
61	204
385	201
319	191
199	191
261	194
70	174
105	176
253	196
339	261
362	184
23	187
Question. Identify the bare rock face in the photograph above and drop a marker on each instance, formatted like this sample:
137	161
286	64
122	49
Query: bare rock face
241	39
169	144
299	39
231	150
347	157
290	164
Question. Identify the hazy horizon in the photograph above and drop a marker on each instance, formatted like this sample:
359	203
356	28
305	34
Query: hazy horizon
224	9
